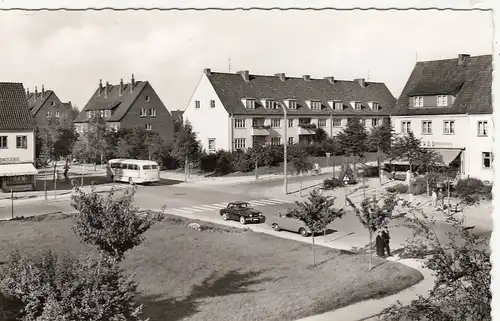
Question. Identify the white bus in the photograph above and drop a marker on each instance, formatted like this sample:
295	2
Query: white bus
133	171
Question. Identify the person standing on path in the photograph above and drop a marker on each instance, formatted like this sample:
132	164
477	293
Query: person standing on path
387	238
380	244
434	198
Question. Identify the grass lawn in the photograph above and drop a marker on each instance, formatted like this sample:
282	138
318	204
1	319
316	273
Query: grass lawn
226	274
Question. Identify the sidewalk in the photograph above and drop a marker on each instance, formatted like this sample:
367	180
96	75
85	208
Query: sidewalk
358	311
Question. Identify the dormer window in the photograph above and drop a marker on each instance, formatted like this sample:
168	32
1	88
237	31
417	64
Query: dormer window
270	104
374	105
89	114
356	105
418	101
337	105
442	100
315	104
250	103
292	104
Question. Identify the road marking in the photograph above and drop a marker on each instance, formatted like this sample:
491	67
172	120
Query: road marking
258	202
277	201
177	210
220	204
202	207
193	209
212	207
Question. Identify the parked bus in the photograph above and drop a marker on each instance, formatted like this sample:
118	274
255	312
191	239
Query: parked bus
133	171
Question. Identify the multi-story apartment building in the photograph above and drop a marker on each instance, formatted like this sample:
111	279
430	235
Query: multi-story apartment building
129	105
447	103
237	111
17	140
46	106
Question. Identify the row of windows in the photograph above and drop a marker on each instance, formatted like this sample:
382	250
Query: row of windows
442	101
197	104
448	127
105	113
56	114
315	104
276	122
21	142
145	112
131	166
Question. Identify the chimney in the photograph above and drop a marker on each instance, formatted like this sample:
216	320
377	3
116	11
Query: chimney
120	90
331	80
36	92
70	104
99	90
207	71
132	83
106	89
306	77
27	92
463	59
43	91
361	82
245	75
281	76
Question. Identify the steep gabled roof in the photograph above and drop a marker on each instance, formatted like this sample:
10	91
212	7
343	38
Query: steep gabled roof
469	82
113	101
36	100
232	88
14	110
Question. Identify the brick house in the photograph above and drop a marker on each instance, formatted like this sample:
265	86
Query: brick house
17	139
46	105
128	105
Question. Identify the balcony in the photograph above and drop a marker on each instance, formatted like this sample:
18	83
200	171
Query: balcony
260	130
307	129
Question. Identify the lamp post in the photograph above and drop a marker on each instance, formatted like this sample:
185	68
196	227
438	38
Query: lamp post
328	160
285	143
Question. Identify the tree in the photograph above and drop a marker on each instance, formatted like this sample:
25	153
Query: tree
113	226
154	146
186	147
320	135
462	268
380	137
408	148
374	216
316	213
43	146
257	153
299	159
46	287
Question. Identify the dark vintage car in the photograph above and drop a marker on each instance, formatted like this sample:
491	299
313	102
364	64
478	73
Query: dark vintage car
242	212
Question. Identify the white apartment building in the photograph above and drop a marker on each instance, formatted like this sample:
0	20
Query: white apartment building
447	104
17	139
237	111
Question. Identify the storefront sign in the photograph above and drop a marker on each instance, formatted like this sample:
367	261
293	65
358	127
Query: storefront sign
442	144
9	160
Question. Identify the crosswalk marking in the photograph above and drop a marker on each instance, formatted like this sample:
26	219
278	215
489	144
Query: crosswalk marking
218	206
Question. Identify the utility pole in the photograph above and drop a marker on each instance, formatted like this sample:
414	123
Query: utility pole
285	143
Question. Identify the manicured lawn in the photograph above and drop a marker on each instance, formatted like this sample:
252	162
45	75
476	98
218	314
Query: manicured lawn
224	273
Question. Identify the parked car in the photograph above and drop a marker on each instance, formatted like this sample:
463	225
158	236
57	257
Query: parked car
285	222
242	212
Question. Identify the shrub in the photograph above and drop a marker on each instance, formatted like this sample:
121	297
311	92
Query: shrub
208	162
273	155
419	186
347	171
472	187
46	288
224	164
398	189
331	183
242	162
370	171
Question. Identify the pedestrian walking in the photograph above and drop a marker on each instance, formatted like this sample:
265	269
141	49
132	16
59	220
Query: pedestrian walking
434	198
387	239
379	244
440	197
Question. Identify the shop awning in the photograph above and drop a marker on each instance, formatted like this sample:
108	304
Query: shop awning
448	155
17	170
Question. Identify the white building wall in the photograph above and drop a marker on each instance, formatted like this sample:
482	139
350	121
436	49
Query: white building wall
465	137
12	154
207	122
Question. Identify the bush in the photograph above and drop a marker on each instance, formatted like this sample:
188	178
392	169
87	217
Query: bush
347	171
46	288
242	162
224	164
208	162
273	155
473	186
398	189
370	171
419	186
331	183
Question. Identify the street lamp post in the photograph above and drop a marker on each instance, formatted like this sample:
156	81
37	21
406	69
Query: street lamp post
285	143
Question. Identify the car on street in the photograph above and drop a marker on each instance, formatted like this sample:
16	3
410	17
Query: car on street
287	223
242	212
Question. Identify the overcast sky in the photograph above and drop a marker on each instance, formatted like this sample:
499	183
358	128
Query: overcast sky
70	51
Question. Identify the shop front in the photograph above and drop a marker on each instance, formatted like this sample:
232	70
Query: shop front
17	176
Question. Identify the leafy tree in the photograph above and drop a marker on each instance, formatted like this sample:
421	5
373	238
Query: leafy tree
380	137
43	146
46	287
374	215
316	213
320	135
112	224
353	140
462	268
298	157
186	147
257	154
154	146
